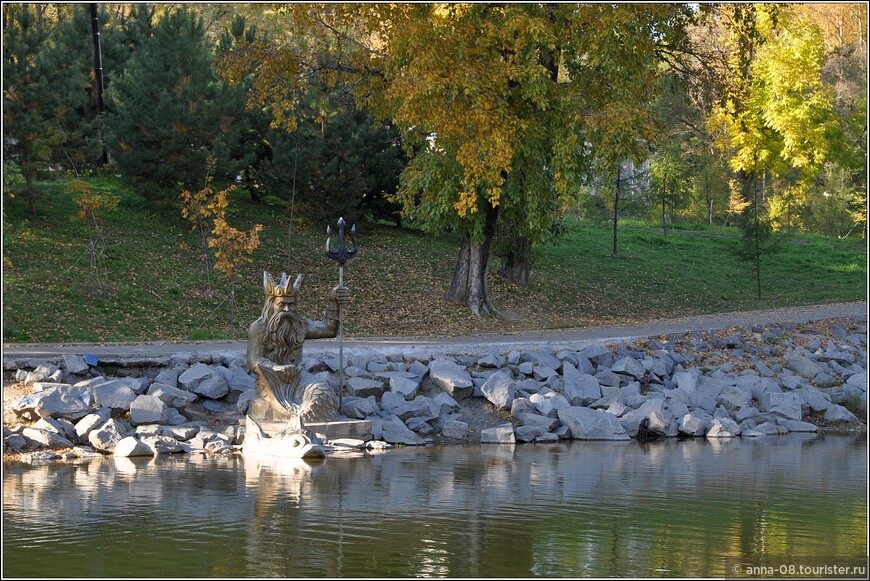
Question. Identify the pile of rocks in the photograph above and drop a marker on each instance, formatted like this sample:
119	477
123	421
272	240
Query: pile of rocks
77	407
747	382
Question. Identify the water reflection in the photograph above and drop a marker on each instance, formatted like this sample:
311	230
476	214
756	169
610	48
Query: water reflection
585	508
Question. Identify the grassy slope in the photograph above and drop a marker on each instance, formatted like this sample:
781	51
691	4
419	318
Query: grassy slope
151	284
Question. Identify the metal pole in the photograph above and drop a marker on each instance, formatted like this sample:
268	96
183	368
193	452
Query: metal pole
341	255
98	70
340	343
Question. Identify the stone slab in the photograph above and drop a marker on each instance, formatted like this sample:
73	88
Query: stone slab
357	429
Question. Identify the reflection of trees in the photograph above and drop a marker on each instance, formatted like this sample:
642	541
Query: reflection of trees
630	509
589	507
121	517
683	507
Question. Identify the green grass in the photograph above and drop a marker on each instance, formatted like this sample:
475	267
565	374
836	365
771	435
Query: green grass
151	291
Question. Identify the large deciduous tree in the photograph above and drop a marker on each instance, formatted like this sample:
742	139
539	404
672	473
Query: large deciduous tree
504	103
777	116
521	98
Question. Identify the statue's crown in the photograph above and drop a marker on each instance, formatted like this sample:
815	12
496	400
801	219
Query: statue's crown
283	289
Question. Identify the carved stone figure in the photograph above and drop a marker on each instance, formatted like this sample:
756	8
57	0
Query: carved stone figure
284	391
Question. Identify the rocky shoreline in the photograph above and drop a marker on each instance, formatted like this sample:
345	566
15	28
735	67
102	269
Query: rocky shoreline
749	382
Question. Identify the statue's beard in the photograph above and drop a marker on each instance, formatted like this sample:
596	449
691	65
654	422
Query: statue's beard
282	338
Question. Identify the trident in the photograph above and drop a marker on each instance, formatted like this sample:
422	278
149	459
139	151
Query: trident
341	255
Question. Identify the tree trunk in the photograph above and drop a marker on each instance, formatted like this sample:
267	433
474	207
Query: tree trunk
517	264
616	213
469	285
758	249
757	256
753	183
251	185
709	196
664	220
31	194
664	199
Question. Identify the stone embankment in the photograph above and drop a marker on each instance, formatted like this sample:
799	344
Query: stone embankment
759	381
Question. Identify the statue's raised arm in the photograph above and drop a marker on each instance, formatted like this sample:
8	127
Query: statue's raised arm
327	328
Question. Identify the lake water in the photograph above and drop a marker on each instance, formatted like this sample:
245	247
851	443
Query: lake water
672	508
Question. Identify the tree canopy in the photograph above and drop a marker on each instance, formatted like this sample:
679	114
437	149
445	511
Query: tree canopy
505	105
484	119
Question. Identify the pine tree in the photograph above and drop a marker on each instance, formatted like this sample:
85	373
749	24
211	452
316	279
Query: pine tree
758	239
31	130
166	115
248	146
356	163
129	35
345	165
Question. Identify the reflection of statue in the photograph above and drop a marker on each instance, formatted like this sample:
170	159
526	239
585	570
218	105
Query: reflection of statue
284	391
289	443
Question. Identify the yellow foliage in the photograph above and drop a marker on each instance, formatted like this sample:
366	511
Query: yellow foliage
841	24
198	207
232	246
90	202
737	203
785	207
486	84
777	113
